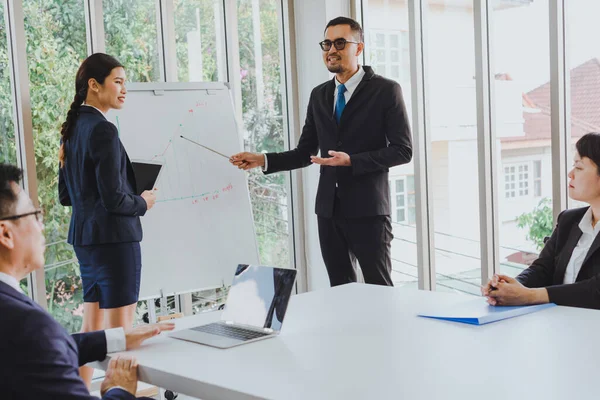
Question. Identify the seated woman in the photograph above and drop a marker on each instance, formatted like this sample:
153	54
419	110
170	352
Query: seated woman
567	271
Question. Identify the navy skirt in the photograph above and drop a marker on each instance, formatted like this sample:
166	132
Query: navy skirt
110	273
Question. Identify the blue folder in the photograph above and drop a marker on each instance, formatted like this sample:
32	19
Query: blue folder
478	312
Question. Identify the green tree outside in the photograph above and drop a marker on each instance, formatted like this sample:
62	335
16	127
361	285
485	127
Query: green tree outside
538	222
56	46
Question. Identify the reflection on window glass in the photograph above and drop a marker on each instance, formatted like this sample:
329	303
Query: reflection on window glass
199	40
522	101
454	154
7	138
56	45
584	69
387	52
131	37
264	127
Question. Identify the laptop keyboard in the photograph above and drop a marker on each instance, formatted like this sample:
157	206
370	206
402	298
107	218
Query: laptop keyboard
230	331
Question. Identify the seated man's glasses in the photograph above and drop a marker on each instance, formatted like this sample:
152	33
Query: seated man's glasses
339	44
39	215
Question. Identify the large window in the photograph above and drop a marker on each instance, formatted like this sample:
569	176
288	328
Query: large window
522	101
583	58
131	37
454	158
264	126
7	138
386	50
56	45
199	40
7	128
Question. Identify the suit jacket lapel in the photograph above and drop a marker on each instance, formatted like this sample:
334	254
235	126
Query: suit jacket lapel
329	91
595	246
8	290
354	101
566	252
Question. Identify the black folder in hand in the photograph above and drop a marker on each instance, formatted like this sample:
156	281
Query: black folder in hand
146	174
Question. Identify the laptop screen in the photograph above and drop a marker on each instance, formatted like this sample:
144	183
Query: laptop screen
259	296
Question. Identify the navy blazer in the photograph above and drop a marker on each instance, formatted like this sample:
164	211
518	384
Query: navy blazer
39	359
97	180
549	269
375	132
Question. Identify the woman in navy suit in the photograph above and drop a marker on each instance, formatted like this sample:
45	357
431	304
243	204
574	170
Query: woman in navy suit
96	179
567	271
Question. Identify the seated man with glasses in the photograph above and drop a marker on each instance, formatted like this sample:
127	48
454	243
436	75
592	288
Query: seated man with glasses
39	360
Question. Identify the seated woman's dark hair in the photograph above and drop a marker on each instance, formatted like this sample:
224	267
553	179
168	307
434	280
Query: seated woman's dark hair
97	66
589	146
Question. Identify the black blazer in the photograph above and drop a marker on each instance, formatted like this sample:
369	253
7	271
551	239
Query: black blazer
40	359
549	269
373	130
97	180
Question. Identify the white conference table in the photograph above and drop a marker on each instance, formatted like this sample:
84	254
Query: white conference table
365	342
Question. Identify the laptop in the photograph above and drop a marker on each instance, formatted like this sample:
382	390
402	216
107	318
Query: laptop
256	305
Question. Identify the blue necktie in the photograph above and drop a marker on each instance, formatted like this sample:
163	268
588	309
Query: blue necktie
340	103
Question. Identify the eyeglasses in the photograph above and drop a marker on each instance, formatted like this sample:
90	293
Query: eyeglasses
339	44
39	216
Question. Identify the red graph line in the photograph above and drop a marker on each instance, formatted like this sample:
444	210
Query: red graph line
163	153
174	135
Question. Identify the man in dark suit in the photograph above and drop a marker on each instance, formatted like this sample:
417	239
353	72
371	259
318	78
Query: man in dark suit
39	360
359	123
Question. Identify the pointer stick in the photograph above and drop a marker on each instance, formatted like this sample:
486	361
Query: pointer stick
207	148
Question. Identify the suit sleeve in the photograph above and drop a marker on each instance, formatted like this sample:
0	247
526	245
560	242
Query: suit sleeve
585	294
43	370
540	272
91	346
105	151
397	132
63	193
308	145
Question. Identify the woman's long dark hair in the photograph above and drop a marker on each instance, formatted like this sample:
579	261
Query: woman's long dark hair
97	66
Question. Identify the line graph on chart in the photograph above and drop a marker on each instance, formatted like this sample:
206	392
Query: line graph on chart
186	172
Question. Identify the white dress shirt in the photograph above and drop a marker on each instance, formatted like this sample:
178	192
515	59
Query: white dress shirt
115	338
350	84
588	235
99	110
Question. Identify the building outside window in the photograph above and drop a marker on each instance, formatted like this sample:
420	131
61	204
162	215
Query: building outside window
403	201
520	178
390	54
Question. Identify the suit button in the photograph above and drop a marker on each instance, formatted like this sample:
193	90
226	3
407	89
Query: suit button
339	143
